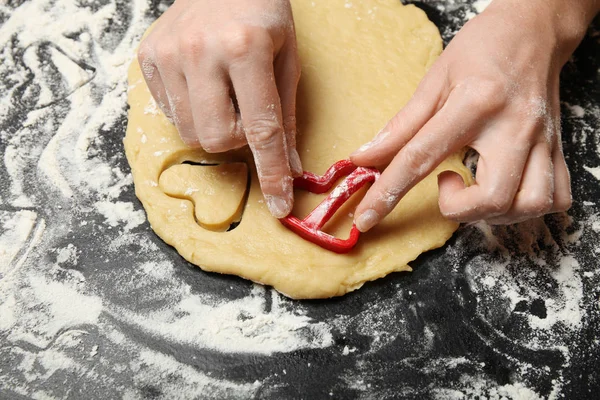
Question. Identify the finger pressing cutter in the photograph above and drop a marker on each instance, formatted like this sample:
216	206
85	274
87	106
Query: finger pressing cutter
310	228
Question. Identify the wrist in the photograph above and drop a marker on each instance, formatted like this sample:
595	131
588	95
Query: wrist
563	23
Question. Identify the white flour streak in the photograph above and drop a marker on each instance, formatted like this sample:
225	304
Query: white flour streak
43	308
184	381
576	110
481	5
121	212
236	326
480	388
60	321
594	171
67	255
15	229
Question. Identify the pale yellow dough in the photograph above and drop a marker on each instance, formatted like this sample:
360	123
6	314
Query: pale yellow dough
361	62
216	191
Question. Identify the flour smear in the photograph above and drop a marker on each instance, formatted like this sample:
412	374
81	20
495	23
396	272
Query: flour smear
63	87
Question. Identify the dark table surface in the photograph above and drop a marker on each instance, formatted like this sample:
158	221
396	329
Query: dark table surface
93	305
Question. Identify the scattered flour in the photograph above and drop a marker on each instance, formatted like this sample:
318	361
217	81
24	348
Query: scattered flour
576	110
43	308
594	171
184	380
481	5
504	280
237	326
478	7
481	389
58	322
15	229
67	255
121	212
75	308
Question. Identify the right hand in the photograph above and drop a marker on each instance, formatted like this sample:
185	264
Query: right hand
495	89
205	57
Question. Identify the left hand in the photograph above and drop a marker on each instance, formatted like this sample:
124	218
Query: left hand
204	57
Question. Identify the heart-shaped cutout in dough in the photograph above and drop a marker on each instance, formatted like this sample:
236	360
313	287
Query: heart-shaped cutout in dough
218	192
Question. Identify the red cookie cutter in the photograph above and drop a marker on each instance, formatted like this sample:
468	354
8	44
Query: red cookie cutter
309	228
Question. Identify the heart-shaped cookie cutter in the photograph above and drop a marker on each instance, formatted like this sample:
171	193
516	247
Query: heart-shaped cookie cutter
310	228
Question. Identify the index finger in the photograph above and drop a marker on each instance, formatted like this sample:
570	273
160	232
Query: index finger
253	80
442	135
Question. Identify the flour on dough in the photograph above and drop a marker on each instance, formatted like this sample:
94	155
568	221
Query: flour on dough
360	65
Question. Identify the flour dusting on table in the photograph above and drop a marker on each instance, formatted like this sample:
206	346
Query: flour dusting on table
63	91
93	305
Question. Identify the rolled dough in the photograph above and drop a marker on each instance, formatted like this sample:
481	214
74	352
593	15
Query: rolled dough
361	62
216	191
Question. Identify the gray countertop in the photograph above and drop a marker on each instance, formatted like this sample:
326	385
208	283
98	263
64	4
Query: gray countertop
93	305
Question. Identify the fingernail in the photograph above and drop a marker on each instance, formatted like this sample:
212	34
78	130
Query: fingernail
295	163
367	220
376	140
278	206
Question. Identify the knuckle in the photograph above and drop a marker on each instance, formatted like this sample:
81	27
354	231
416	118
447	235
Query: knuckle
388	199
144	51
536	105
493	90
534	118
241	40
146	61
486	94
191	45
498	202
165	54
528	136
271	179
563	203
538	204
263	133
417	158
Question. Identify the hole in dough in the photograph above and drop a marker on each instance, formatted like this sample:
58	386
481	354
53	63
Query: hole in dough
341	222
202	164
218	192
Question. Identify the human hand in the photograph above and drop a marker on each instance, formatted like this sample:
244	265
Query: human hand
206	57
495	89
